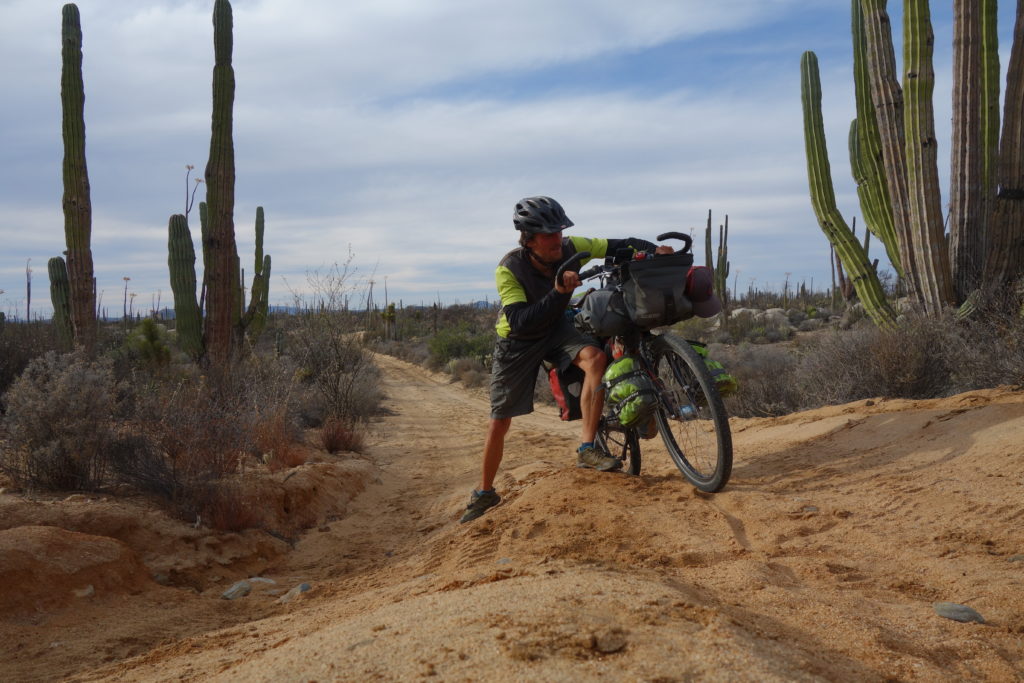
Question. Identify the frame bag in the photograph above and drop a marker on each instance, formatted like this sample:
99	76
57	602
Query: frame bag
603	313
655	293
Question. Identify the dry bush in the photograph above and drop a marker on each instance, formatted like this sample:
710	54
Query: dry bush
470	371
20	343
224	507
336	436
276	441
60	423
765	378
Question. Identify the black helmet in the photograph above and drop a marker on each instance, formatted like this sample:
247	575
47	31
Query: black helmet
540	214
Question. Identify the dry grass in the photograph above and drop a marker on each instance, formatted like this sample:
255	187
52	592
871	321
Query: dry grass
337	435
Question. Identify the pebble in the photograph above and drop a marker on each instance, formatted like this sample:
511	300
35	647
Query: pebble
294	593
260	579
86	592
505	560
238	590
956	612
1016	558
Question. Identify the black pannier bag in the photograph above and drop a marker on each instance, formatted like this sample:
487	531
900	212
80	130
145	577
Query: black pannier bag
603	313
654	292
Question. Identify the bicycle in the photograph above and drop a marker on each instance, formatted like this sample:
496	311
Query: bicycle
690	415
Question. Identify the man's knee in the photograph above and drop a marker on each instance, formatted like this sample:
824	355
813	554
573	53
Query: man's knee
591	359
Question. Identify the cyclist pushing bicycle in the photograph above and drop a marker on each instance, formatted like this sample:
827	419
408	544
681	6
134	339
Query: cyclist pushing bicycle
533	328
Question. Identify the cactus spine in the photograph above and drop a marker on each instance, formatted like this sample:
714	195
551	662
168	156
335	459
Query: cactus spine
220	255
76	202
823	199
60	296
181	261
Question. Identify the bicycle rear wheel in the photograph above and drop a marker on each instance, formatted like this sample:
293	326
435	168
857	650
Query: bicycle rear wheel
623	445
691	417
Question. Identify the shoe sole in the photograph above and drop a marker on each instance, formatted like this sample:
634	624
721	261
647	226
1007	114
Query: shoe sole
614	468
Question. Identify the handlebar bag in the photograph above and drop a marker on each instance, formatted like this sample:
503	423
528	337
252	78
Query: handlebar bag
654	292
603	313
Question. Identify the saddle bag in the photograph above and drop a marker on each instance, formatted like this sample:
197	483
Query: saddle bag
655	291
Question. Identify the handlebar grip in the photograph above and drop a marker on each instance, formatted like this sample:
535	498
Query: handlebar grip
587	274
677	236
571	261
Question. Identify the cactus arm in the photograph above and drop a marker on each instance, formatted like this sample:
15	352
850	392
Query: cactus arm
887	98
823	199
77	203
866	145
1006	230
707	242
921	147
966	202
181	262
60	294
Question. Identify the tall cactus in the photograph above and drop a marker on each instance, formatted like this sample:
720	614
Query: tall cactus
76	202
255	319
221	275
1006	227
967	200
60	296
927	228
823	200
181	261
720	264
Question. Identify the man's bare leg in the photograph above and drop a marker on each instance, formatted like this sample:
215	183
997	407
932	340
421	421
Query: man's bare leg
593	362
494	450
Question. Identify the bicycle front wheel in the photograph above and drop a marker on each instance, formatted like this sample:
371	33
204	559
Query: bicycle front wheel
691	417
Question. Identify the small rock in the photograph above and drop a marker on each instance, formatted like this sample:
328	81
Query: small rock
610	642
162	579
260	579
86	592
956	612
810	508
294	593
1016	558
238	590
505	560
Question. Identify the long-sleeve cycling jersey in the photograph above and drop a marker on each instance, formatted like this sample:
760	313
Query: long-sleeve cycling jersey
531	305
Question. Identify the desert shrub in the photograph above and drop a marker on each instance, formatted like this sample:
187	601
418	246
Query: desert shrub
863	362
460	342
20	343
469	371
765	378
60	421
336	435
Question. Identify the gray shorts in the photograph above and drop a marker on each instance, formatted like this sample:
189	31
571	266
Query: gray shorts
516	362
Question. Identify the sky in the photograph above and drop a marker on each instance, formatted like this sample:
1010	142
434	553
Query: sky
397	135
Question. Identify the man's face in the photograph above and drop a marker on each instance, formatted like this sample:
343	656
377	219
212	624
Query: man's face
547	247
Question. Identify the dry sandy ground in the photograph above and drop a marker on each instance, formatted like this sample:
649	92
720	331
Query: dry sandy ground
820	561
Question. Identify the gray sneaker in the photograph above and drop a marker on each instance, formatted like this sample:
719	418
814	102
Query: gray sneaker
594	459
479	503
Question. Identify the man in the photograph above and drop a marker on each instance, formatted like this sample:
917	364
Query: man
533	327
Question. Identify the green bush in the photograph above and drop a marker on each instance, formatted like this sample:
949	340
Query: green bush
459	342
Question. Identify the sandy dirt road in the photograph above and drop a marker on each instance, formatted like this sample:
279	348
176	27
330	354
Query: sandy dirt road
820	561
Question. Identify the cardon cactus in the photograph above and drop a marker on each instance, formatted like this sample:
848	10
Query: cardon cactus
823	200
255	319
181	261
221	255
76	202
60	296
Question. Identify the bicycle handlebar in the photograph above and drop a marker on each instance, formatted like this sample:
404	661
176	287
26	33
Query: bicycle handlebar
571	261
677	236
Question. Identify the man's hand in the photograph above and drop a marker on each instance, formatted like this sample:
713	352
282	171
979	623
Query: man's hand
570	281
664	249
